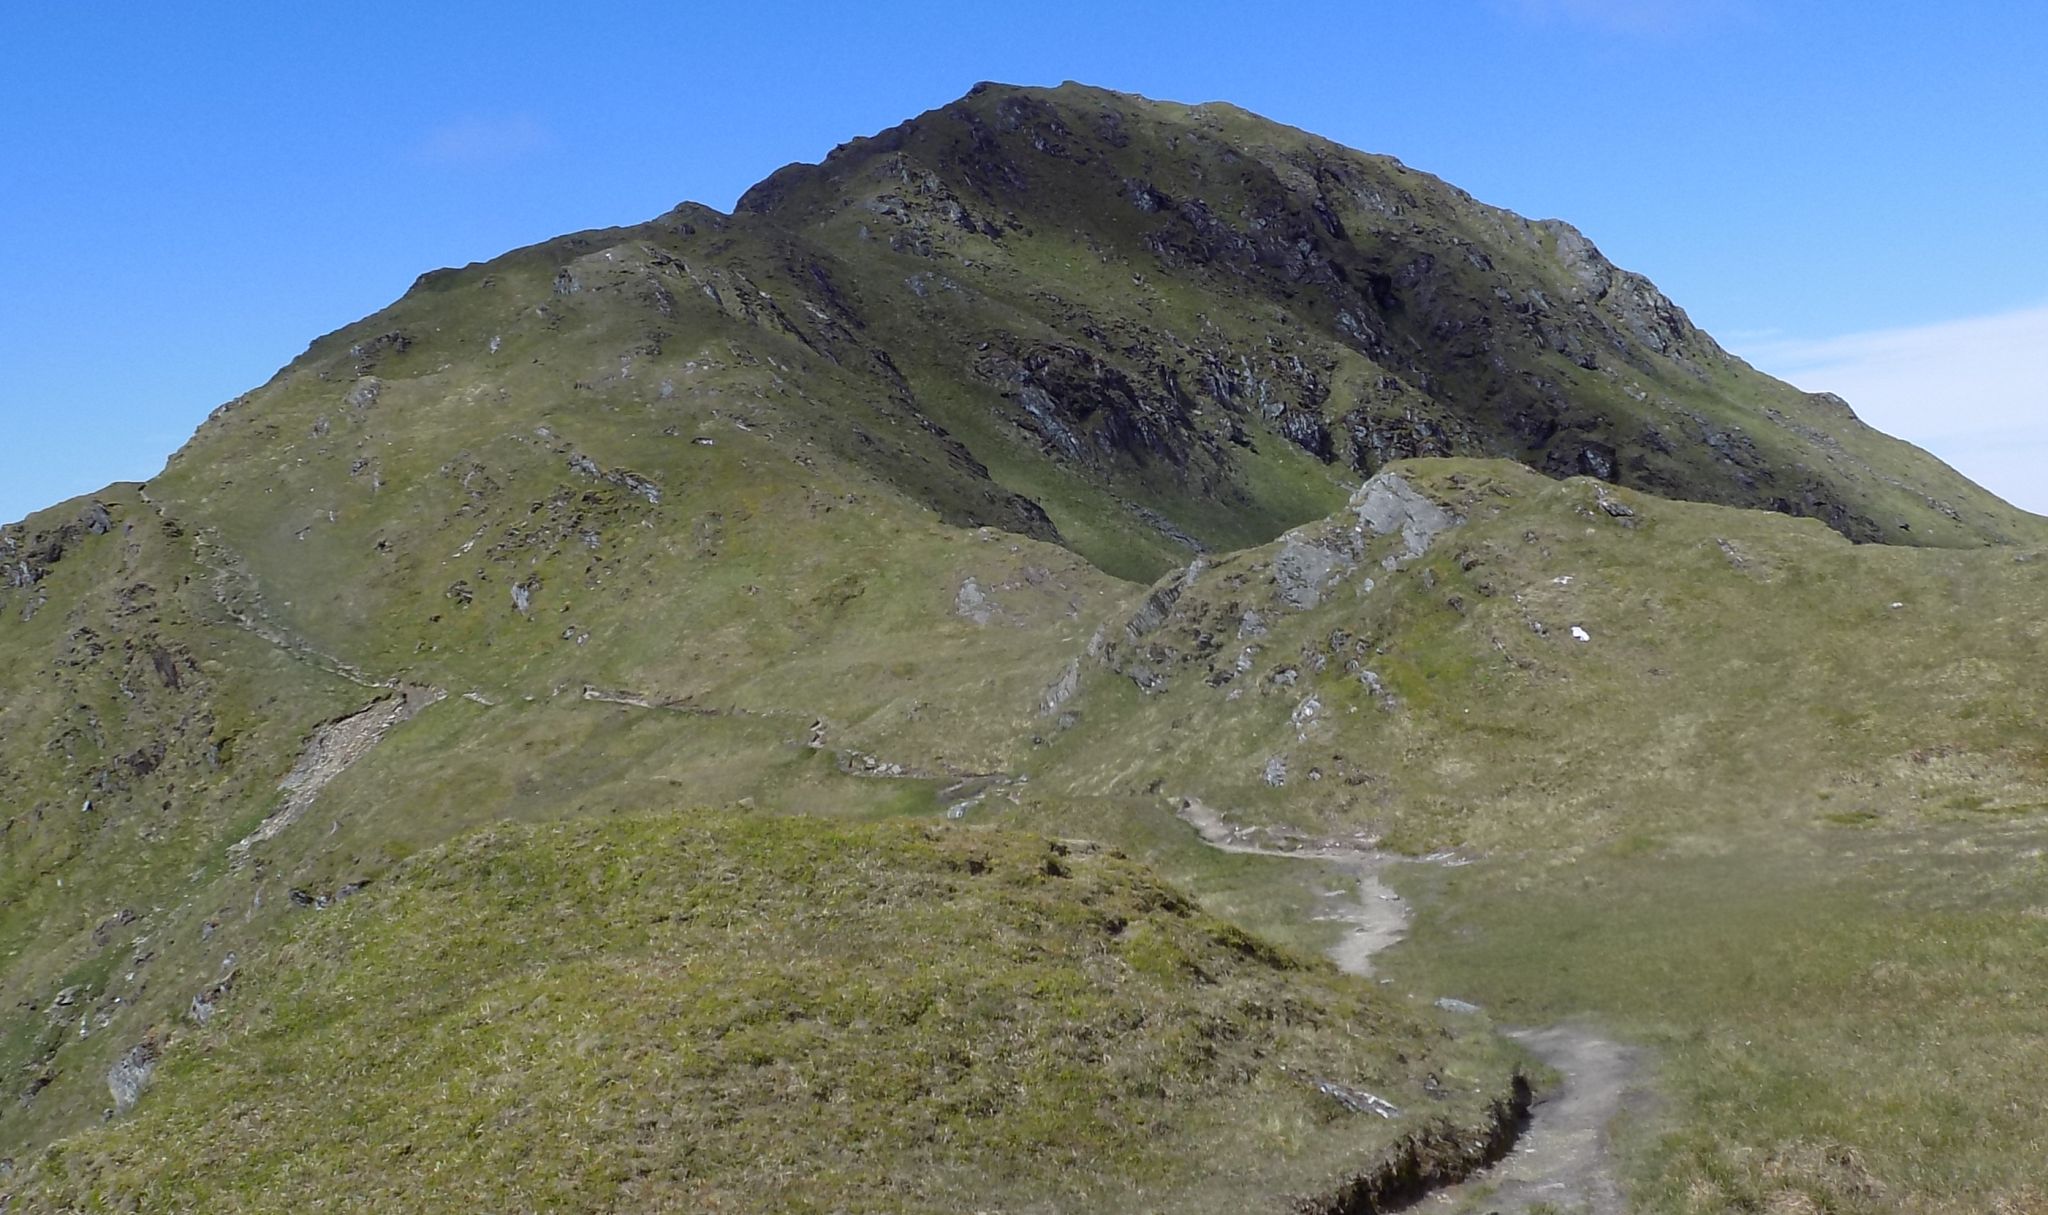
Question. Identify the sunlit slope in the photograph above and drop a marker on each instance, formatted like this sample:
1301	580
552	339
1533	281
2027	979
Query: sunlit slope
755	1014
1140	283
1566	662
847	505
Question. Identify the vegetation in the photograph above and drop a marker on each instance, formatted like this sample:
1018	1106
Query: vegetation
710	1012
997	469
1740	669
1778	819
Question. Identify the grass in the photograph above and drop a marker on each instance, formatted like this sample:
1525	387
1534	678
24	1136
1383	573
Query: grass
1841	1022
1782	832
759	1013
122	789
836	454
1742	669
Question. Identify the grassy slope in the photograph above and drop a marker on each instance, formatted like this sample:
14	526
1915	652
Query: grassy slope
804	566
140	743
1742	667
859	649
1845	1020
1781	830
760	1014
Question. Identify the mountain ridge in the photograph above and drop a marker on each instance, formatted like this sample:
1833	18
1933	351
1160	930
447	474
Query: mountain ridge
999	468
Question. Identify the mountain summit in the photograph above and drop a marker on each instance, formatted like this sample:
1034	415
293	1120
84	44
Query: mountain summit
1136	328
1092	467
1129	283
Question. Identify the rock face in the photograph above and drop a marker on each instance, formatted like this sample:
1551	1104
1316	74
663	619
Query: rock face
1388	524
1062	690
1312	560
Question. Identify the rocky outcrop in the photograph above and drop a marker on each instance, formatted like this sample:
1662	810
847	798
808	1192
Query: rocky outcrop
1388	520
132	1073
1312	560
1062	690
1388	504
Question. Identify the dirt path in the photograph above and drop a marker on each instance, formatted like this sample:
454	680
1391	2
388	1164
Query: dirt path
1378	917
1561	1160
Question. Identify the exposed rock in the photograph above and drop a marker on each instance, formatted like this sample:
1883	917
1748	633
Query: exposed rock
330	751
208	1001
972	603
1357	1100
1388	504
1302	568
131	1074
1062	689
623	478
1167	528
1275	772
1153	612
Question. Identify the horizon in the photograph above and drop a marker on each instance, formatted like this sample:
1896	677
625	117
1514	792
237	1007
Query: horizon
283	203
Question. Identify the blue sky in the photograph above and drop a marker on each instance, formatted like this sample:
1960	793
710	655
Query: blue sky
1851	194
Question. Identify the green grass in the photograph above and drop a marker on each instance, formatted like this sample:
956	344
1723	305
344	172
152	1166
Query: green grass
864	452
1743	669
760	1013
1847	1023
1765	823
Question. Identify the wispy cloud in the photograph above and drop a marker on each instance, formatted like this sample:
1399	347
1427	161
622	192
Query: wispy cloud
1972	391
476	142
1654	17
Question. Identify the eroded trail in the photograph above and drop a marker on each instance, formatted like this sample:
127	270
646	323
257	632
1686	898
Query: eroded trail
1561	1159
1377	916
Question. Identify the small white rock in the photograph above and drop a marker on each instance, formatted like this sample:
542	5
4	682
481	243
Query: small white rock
1579	634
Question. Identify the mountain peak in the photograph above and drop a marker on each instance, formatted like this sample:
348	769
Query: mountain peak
1363	310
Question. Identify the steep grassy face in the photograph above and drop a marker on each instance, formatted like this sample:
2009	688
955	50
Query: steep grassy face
136	744
764	1014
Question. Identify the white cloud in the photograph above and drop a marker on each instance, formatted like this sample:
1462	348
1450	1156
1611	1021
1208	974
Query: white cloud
1973	391
476	142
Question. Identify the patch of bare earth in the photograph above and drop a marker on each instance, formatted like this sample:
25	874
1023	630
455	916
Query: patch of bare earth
1559	1157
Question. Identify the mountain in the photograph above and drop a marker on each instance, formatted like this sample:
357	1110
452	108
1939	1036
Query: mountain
1058	462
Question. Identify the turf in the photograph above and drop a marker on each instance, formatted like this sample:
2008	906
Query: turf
757	1013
